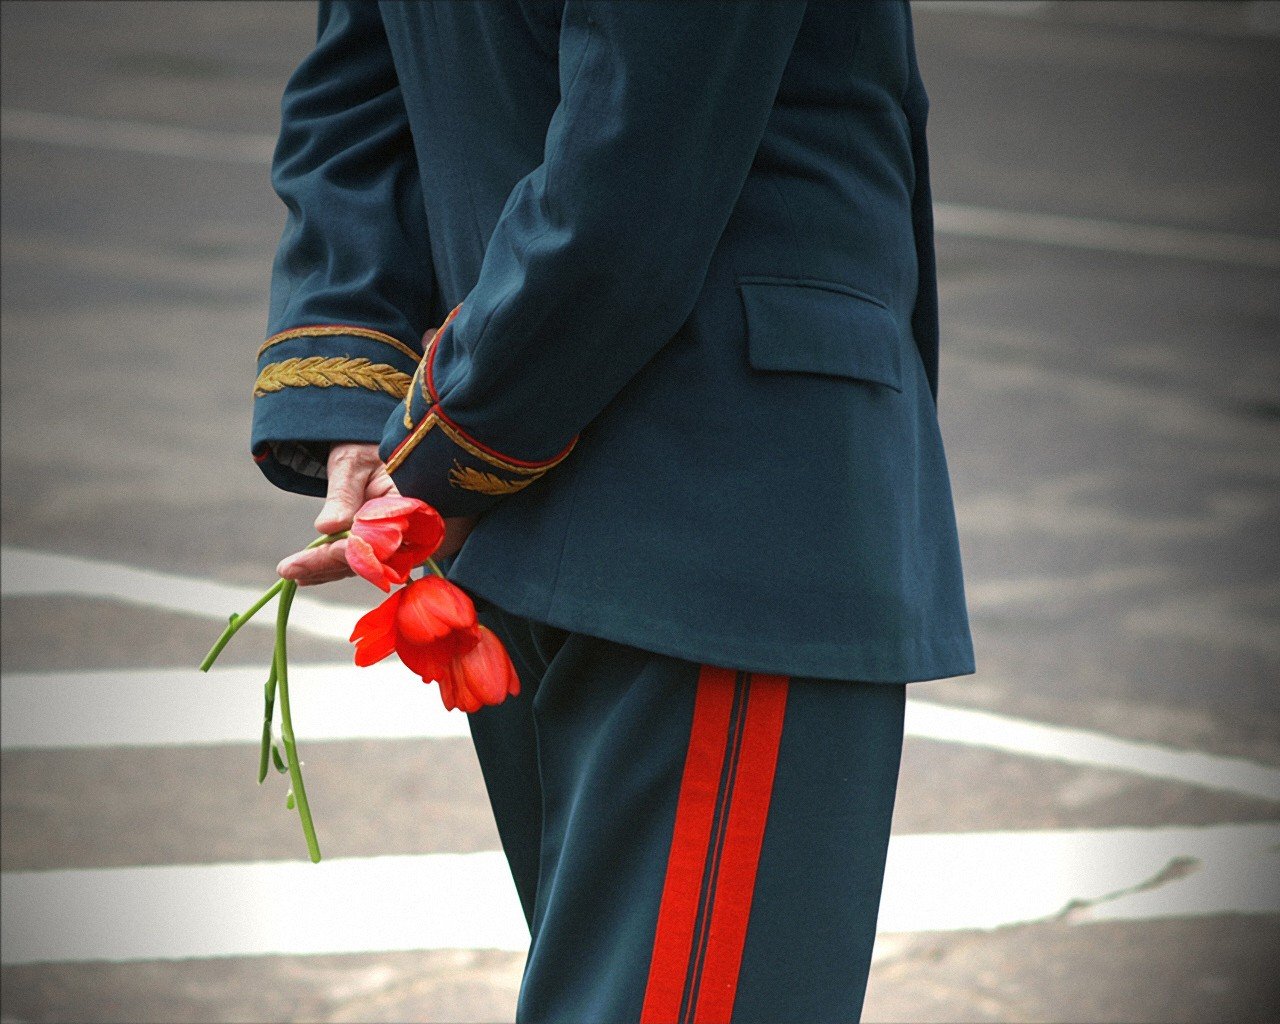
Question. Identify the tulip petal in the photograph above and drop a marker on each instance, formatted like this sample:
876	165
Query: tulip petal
429	661
374	633
424	528
385	536
380	619
402	562
389	506
365	563
485	672
371	650
448	693
432	609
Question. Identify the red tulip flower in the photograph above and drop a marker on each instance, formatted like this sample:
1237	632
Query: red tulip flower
431	624
480	675
391	536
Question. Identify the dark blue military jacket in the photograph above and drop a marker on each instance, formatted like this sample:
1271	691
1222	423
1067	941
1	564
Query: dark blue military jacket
689	372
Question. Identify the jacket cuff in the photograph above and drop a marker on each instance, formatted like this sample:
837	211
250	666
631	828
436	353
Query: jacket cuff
429	456
321	385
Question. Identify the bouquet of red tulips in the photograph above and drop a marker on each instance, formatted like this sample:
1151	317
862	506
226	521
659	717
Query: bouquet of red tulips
429	622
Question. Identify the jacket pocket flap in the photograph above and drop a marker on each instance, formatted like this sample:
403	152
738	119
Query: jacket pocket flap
810	326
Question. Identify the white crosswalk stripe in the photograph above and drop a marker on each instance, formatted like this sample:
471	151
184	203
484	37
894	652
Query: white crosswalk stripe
935	882
339	701
176	707
42	574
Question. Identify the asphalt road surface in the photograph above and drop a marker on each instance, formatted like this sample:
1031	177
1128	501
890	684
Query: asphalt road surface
1087	829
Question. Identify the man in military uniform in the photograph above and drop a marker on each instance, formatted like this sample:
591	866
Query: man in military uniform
673	265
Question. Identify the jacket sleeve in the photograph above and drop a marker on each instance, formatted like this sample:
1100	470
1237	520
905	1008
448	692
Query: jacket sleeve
600	252
352	284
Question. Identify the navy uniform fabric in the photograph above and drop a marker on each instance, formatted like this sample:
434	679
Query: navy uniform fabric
689	372
752	900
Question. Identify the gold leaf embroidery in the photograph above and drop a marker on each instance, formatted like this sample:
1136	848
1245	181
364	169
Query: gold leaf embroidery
331	371
486	483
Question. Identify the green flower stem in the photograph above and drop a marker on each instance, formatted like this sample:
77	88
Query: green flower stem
431	563
268	713
236	622
233	627
286	720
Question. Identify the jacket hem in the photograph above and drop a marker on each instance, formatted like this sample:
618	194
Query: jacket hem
937	658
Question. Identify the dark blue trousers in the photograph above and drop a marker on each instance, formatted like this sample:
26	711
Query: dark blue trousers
689	842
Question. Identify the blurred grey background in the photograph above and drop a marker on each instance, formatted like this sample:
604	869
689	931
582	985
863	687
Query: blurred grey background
1109	232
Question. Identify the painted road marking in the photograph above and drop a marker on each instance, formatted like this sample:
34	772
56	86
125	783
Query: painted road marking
936	882
955	881
145	708
1247	18
1008	8
986	729
136	137
38	573
965	221
435	901
172	707
1105	235
149	707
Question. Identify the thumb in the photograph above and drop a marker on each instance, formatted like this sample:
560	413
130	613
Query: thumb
350	467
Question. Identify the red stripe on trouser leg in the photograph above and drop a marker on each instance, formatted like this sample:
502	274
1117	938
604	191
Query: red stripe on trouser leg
715	847
744	835
686	863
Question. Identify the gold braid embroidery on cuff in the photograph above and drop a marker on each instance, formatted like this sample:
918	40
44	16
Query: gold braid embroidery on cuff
331	371
339	330
462	441
466	477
